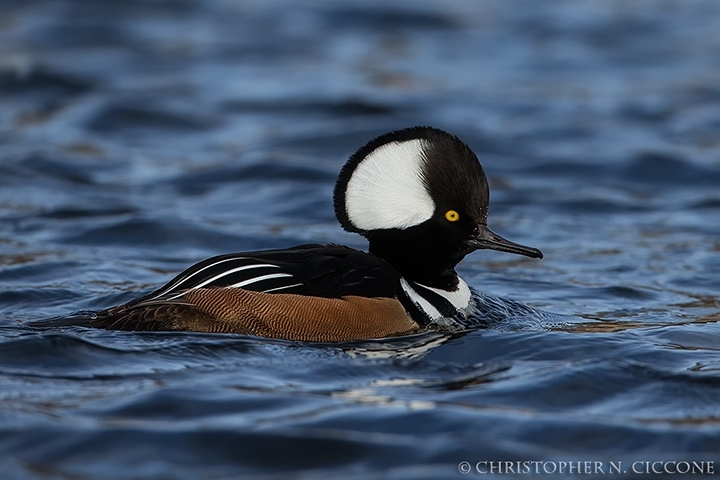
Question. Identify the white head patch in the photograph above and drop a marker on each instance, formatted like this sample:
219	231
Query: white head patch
386	189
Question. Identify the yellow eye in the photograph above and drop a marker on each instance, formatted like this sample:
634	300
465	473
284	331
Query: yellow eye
452	216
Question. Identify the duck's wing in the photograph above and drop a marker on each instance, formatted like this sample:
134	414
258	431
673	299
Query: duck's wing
311	292
330	271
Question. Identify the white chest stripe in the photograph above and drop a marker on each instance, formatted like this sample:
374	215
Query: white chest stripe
420	301
460	298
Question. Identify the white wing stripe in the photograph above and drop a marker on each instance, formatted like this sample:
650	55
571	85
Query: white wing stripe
246	282
233	270
183	280
250	281
282	288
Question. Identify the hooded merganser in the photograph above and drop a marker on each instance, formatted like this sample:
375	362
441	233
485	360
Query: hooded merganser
418	195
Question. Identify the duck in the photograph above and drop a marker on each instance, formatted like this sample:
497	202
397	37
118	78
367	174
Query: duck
418	195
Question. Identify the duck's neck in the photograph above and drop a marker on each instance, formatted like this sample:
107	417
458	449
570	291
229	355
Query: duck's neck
415	263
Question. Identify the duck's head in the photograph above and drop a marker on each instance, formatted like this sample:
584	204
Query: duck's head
420	197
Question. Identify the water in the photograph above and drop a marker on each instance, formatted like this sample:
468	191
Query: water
139	137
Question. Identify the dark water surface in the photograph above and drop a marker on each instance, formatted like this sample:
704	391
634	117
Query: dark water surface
138	137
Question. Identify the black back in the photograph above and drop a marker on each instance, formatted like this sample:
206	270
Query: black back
329	271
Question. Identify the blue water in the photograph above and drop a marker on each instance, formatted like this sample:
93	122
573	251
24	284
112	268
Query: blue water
138	137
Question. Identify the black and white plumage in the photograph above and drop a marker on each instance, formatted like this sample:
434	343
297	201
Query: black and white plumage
418	195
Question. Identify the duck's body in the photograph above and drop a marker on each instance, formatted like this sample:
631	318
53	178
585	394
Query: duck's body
419	195
311	292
